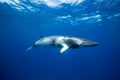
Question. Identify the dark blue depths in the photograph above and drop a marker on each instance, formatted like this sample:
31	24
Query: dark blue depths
19	30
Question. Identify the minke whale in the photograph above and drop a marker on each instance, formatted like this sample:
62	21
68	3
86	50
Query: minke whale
63	42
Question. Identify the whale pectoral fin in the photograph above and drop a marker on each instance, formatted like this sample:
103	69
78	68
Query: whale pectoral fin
64	48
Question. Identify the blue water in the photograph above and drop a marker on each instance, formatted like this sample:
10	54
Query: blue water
92	20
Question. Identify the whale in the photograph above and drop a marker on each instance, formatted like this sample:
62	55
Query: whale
63	42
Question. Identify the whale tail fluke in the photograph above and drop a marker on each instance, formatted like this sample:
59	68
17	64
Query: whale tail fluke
29	48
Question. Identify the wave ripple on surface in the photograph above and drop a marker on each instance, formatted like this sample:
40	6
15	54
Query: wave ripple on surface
74	11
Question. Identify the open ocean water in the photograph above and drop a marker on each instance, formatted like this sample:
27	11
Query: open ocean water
23	21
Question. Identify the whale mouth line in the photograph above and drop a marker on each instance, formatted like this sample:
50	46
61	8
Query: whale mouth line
87	43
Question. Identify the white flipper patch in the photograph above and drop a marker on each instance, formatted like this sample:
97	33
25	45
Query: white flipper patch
64	48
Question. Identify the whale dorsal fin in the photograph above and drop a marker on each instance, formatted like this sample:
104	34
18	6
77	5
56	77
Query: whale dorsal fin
64	48
41	36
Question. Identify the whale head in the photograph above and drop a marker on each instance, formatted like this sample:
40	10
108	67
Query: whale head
87	43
